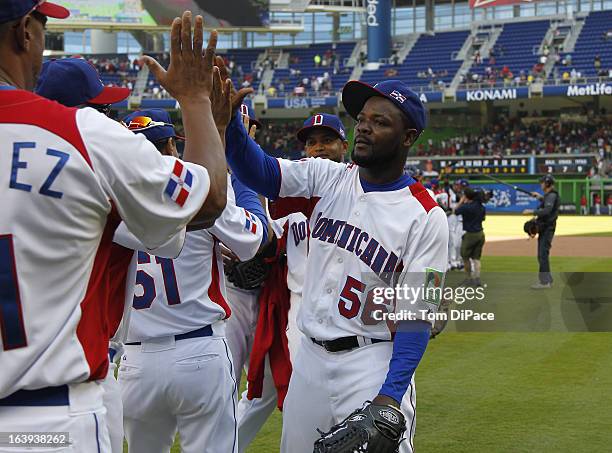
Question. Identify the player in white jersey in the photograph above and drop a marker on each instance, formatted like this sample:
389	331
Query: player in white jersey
369	223
323	136
65	184
74	82
176	372
455	226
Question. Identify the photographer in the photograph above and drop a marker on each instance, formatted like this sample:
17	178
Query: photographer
546	217
471	208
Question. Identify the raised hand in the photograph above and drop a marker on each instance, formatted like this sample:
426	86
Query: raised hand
236	96
220	99
189	77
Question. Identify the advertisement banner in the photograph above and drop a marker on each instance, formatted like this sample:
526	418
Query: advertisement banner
572	90
302	103
378	19
506	199
493	94
431	96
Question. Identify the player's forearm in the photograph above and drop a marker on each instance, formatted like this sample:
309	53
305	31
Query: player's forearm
409	346
249	163
204	147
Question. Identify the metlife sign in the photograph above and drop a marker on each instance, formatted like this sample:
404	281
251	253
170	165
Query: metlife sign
596	89
494	94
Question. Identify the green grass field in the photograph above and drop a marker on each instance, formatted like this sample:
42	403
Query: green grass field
512	391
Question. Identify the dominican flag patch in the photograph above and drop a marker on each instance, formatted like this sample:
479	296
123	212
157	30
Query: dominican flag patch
179	185
250	223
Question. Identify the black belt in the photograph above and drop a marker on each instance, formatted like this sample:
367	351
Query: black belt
48	396
205	331
343	343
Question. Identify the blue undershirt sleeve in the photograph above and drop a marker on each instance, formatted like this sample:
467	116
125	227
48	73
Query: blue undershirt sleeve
248	199
249	163
409	346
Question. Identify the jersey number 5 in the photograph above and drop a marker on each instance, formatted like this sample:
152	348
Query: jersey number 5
11	315
148	283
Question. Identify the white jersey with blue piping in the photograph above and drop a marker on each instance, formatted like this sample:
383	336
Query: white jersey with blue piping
67	179
175	296
357	239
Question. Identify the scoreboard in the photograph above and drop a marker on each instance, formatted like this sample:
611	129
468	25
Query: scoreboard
486	165
564	165
569	164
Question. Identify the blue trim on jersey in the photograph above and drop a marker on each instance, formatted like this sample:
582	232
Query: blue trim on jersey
48	396
402	182
248	199
7	87
249	162
97	432
409	346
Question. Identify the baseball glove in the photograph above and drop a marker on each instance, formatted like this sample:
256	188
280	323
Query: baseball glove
440	322
252	273
373	428
531	228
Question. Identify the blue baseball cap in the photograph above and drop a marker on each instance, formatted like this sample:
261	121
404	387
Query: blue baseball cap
155	124
15	9
463	182
322	120
74	81
250	111
355	94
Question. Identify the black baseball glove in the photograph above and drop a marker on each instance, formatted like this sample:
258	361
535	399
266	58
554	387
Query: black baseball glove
531	227
252	273
373	428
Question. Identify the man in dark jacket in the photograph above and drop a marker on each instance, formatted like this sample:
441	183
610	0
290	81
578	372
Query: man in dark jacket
546	215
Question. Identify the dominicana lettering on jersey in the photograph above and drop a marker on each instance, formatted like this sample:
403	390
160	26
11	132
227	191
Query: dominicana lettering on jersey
359	242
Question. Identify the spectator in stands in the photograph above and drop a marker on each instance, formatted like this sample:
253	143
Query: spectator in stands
271	91
597	62
391	72
567	60
565	78
317	60
315	85
362	58
477	58
394	58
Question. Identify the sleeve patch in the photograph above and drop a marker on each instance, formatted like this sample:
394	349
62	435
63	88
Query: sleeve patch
250	223
179	184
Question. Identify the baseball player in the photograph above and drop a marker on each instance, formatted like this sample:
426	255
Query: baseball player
368	223
177	371
323	136
64	187
455	225
74	82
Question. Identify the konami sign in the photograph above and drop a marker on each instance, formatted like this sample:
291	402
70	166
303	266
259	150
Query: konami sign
491	95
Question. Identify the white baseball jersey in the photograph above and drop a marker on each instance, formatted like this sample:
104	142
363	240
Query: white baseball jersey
174	296
442	198
67	178
356	239
296	231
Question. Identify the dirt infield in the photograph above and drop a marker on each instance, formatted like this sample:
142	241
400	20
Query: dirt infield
561	246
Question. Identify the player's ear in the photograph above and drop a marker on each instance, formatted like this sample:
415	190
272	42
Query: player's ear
410	137
23	36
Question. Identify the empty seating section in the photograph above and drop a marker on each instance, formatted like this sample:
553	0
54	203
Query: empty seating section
435	52
516	47
592	42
